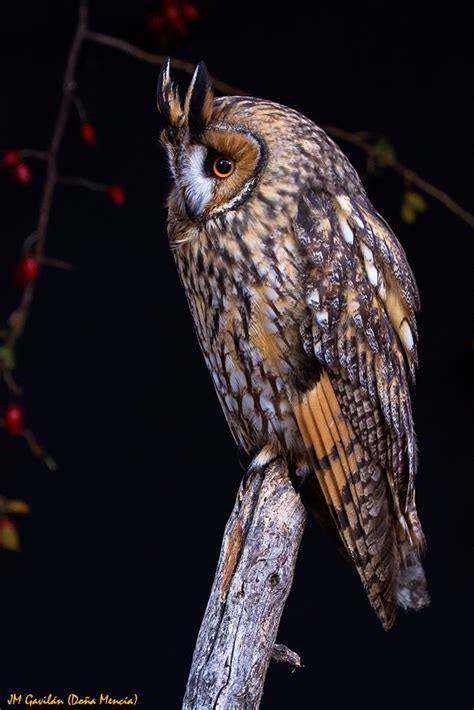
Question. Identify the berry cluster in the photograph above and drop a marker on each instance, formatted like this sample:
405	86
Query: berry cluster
20	170
173	20
170	22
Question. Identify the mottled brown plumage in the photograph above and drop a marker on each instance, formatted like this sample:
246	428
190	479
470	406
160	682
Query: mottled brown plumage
304	305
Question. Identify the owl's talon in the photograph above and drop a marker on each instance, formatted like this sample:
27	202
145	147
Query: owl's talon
244	459
258	465
302	474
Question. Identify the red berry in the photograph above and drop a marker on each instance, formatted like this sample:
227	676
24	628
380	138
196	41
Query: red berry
27	271
155	23
22	173
174	20
10	158
171	12
87	133
189	11
13	419
116	194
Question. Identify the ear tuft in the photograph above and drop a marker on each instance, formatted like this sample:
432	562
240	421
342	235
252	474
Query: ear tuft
167	98
198	103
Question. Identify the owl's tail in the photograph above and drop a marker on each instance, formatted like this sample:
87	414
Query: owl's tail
412	591
382	541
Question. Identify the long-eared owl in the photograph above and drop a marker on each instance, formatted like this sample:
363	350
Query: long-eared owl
303	303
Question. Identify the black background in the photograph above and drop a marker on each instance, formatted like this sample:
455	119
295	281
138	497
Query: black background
121	545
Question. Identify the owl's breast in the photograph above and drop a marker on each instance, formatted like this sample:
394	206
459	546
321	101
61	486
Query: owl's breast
247	303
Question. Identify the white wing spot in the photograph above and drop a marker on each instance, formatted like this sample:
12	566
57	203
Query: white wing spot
406	335
247	405
370	269
344	203
267	405
347	232
367	253
322	319
372	273
313	298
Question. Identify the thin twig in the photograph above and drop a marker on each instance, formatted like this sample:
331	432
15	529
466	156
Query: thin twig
36	154
355	138
358	139
159	60
283	654
57	263
19	316
80	108
82	182
38	450
10	382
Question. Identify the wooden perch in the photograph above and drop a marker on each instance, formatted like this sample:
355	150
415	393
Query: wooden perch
253	579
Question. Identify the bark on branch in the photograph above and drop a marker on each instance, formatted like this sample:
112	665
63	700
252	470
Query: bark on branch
253	579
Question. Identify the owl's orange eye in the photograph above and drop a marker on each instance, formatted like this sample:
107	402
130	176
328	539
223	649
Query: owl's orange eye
223	167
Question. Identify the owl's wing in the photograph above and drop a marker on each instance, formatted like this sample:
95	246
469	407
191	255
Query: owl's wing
356	420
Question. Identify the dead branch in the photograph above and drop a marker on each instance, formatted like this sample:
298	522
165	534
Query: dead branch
253	579
408	175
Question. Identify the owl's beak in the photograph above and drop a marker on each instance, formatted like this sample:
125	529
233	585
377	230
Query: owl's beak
196	195
193	210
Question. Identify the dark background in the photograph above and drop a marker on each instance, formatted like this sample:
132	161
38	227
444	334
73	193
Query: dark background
120	549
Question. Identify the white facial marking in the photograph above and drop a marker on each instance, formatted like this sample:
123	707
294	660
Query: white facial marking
195	184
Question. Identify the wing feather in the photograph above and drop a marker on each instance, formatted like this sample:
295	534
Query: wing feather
355	493
356	419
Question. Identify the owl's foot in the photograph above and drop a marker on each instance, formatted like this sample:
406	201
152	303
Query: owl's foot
259	463
244	459
301	476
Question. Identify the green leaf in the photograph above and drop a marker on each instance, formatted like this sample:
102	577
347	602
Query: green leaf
416	200
17	507
412	204
384	152
8	535
407	213
7	357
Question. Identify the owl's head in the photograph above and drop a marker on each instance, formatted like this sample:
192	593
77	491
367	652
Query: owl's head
224	151
215	162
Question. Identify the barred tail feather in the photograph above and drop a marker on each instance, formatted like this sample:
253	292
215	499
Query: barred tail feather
412	592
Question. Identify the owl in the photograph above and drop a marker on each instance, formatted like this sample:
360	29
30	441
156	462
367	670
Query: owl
304	307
